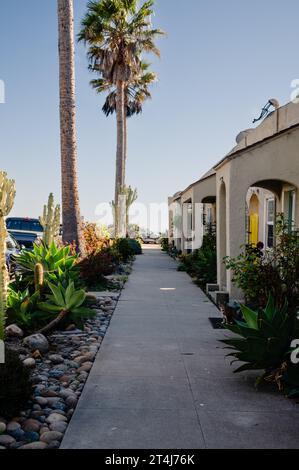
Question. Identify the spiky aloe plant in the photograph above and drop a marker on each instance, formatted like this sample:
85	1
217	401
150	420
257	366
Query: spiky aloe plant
50	221
265	337
7	198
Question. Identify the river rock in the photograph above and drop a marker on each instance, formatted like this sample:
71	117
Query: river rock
30	363
51	436
31	425
60	426
56	359
6	440
35	446
14	331
37	342
55	418
42	401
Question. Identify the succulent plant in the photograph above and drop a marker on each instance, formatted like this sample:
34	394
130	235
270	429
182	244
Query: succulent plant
38	276
50	221
7	197
265	337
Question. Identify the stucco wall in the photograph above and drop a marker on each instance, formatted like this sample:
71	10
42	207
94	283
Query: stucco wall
276	159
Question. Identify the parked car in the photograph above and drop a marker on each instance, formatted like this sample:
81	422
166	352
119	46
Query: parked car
12	248
150	241
24	230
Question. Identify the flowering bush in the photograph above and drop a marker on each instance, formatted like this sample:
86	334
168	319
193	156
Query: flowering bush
94	241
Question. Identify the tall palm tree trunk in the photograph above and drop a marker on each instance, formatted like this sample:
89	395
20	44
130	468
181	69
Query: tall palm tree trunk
119	176
72	224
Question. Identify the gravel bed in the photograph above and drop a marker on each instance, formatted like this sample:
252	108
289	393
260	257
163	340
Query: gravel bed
60	366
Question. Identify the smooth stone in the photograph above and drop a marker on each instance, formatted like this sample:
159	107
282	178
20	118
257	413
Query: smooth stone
30	362
56	373
37	342
53	400
18	434
71	401
86	367
59	407
55	417
59	427
54	445
66	393
31	425
51	436
6	440
56	358
41	401
14	331
12	426
31	436
35	446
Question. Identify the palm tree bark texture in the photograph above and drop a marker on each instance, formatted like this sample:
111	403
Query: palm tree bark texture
72	223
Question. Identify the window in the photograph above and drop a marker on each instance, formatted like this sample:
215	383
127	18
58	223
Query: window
26	225
189	220
291	209
270	220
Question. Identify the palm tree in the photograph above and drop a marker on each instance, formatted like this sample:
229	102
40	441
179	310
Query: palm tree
117	32
72	231
131	196
136	93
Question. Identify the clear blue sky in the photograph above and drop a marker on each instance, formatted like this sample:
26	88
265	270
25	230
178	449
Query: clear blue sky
221	61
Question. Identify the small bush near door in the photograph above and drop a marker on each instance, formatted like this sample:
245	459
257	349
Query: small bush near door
202	263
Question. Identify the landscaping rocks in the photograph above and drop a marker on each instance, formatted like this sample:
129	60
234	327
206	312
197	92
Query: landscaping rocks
14	331
60	366
6	440
35	446
37	342
51	436
29	362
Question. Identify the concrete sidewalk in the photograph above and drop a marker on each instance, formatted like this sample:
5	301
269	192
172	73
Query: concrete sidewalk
161	380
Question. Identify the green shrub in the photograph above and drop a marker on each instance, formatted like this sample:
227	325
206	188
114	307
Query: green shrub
15	385
95	266
123	249
260	272
202	263
164	244
135	245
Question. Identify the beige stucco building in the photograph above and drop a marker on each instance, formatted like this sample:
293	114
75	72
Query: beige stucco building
191	211
257	180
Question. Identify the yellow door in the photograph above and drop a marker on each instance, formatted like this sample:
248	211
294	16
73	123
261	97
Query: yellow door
254	229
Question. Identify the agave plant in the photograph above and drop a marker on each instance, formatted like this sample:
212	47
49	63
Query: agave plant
21	306
65	302
55	261
265	337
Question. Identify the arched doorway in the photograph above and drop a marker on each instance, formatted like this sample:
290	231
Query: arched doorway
253	219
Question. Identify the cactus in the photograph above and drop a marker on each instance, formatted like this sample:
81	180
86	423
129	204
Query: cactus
50	221
38	276
7	197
